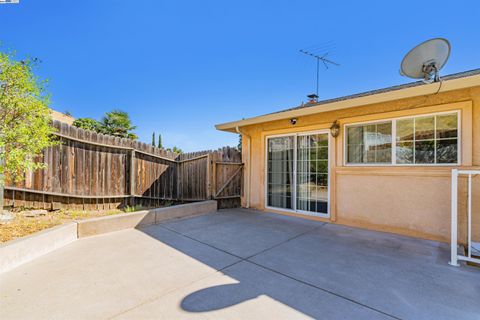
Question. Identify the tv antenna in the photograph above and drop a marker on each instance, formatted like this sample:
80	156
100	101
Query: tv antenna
319	59
425	60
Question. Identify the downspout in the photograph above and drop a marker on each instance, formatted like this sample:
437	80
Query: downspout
249	170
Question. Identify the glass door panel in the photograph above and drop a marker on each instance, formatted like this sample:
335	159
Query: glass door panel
280	172
297	173
312	173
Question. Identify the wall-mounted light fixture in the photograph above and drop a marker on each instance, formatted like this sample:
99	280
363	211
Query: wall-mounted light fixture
293	121
335	129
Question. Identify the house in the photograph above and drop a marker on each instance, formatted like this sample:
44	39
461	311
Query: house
379	160
62	117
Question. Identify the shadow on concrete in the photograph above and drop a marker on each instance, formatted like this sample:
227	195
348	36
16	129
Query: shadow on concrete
323	271
242	235
233	294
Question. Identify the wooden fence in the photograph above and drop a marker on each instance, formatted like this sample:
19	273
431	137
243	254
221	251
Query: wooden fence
211	175
93	171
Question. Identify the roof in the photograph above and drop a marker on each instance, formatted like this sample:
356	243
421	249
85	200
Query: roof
62	117
454	81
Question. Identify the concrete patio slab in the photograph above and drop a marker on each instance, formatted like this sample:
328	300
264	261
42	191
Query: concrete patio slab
247	291
404	277
96	277
242	264
244	233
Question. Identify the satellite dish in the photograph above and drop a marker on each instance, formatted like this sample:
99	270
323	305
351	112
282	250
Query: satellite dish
425	60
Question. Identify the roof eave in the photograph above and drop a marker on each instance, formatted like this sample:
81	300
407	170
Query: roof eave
432	88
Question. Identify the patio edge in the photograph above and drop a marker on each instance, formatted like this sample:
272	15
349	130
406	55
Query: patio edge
25	249
22	250
96	226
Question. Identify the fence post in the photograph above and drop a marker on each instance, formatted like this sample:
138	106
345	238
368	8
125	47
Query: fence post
214	177
132	177
179	189
208	182
453	244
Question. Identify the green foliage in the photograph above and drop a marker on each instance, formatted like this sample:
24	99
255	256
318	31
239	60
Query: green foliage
117	123
167	203
114	123
87	124
25	122
153	139
160	141
239	146
133	208
175	149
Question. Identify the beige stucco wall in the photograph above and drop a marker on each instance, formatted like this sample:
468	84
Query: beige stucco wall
407	200
62	117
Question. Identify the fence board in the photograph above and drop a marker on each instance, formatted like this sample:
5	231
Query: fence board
89	170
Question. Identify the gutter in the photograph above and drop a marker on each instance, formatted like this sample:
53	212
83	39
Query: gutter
249	170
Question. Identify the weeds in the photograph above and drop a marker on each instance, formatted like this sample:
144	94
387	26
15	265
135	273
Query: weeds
168	203
133	208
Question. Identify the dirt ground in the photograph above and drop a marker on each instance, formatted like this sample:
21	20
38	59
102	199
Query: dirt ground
22	225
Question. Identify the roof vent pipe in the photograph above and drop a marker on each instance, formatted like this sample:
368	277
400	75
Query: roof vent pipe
312	98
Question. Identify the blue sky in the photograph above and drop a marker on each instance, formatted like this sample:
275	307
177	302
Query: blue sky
179	67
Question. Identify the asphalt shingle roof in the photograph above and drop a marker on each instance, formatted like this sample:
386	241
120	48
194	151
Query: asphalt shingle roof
383	90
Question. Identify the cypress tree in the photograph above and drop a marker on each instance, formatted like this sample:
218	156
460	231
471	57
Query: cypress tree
160	141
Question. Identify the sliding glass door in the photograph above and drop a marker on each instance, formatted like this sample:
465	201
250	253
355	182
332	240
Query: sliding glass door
312	173
280	172
297	173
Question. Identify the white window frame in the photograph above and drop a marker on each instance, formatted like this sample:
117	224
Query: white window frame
393	121
295	135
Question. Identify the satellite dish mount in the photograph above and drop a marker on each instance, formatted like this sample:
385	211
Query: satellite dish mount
430	71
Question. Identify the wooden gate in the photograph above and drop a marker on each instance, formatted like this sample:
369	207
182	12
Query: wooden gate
211	175
226	178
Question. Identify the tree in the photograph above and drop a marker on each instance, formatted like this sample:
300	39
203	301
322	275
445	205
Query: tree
153	139
117	123
87	124
114	123
239	146
160	141
25	122
175	149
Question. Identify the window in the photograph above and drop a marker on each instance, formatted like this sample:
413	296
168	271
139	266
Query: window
370	143
421	140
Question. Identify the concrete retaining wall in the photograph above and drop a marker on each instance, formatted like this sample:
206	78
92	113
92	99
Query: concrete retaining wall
185	210
19	251
107	224
113	223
